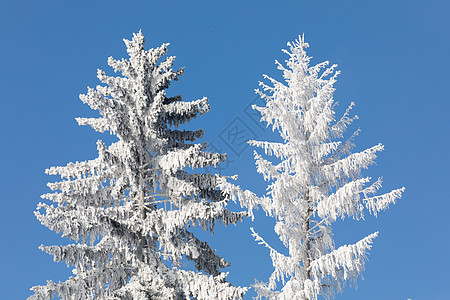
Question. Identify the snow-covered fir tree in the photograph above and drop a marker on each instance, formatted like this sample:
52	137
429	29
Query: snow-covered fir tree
129	210
314	179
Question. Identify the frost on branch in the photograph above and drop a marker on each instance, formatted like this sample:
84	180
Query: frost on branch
313	180
129	210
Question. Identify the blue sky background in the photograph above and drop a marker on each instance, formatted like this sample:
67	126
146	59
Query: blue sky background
394	58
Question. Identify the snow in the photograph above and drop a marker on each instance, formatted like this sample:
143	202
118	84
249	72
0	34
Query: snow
313	180
128	211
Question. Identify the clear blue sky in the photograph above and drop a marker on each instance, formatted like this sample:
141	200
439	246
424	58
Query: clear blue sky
394	57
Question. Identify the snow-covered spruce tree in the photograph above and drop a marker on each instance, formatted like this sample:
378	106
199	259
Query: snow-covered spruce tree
314	180
129	209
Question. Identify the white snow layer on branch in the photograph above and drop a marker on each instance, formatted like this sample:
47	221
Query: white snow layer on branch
344	263
247	199
98	124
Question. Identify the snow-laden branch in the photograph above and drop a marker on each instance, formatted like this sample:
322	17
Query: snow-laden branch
345	262
246	198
